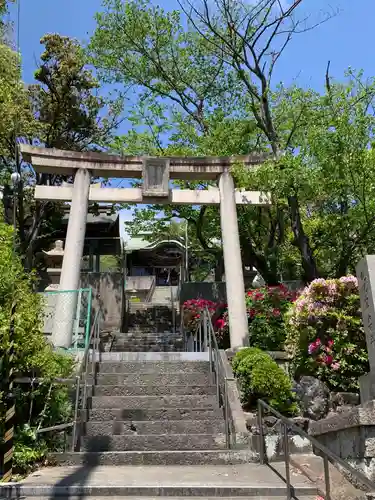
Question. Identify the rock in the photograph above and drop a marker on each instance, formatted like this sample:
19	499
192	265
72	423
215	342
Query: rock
270	421
251	419
313	397
344	399
302	422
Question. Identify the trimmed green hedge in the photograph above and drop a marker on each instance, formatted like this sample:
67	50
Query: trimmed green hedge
260	377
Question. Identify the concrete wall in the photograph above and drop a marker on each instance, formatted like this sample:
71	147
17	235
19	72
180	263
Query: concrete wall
214	291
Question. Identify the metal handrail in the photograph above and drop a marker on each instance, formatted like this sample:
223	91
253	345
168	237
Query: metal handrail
37	380
151	290
94	338
213	350
326	453
204	340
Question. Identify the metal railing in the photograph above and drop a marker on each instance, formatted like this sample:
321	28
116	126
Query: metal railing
204	340
327	455
80	381
150	293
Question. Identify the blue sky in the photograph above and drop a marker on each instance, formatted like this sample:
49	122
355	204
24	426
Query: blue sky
345	40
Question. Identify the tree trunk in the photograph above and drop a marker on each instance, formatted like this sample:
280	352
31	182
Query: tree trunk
219	268
302	242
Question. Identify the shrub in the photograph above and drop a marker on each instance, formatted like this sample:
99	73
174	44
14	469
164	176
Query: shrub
260	377
325	333
193	310
266	308
42	404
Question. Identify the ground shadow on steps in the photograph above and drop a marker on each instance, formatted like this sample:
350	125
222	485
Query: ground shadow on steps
80	476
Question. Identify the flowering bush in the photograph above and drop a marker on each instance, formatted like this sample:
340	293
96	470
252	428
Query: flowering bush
221	327
325	333
266	308
193	309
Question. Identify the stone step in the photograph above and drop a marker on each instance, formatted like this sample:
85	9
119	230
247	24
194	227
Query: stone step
161	379
153	367
149	442
146	341
166	457
211	481
155	357
152	390
146	347
118	427
154	402
151	414
70	497
134	333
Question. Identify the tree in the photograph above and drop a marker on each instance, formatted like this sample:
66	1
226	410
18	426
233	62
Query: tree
43	405
198	69
65	112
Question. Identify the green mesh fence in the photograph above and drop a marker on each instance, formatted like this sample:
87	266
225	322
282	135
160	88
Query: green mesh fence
82	317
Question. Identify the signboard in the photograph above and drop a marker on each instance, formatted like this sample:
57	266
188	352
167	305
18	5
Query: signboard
366	283
156	177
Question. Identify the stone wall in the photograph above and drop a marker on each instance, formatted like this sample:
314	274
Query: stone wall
107	293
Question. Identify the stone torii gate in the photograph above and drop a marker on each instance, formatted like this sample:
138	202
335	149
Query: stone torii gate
156	174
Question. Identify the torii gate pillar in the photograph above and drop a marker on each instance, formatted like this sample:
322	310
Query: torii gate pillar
66	304
234	281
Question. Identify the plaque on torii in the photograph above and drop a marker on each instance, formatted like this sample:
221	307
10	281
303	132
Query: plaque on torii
155	175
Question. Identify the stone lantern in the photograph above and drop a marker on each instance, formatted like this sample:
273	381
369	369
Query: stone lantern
54	260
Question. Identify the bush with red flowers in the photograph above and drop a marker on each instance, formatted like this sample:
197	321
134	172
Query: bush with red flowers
192	311
266	308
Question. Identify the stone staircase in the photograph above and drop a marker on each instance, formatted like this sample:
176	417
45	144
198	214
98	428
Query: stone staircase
149	330
162	294
138	340
154	429
155	407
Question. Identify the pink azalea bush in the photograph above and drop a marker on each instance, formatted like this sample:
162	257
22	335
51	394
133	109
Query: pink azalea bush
266	308
325	333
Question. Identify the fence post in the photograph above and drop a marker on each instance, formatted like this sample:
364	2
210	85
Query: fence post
226	414
10	404
287	465
205	326
262	459
326	478
74	436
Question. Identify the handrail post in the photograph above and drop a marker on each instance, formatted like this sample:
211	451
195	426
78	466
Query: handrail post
205	326
327	478
262	457
287	464
226	414
210	349
217	375
74	436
